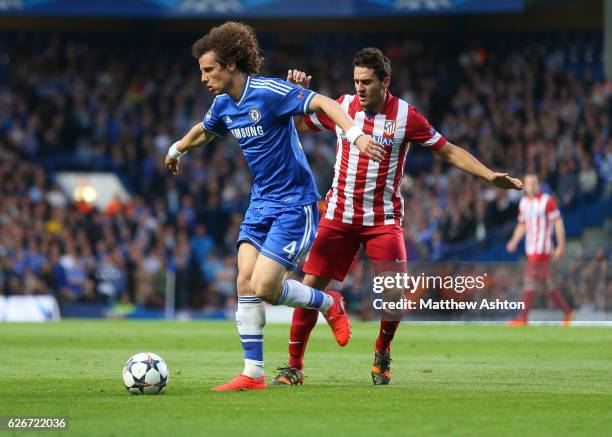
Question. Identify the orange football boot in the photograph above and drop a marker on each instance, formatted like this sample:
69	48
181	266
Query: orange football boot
243	382
517	322
568	318
381	368
338	319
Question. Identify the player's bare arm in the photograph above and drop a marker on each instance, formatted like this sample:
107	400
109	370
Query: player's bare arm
196	137
517	235
464	160
560	235
352	133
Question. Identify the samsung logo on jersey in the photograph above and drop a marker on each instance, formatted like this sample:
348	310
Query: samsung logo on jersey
247	132
386	141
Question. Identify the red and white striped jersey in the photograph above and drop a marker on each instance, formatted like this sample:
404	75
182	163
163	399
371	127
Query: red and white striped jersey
366	192
538	214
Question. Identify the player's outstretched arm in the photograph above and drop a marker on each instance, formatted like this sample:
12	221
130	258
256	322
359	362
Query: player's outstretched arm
196	137
352	133
517	235
464	160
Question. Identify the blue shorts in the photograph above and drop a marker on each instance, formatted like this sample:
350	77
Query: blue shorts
284	234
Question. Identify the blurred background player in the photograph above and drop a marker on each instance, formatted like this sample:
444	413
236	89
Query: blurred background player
538	215
364	205
280	224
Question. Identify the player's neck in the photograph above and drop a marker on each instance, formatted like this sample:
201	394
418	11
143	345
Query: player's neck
237	87
378	106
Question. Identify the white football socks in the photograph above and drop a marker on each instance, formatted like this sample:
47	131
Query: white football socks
250	320
297	295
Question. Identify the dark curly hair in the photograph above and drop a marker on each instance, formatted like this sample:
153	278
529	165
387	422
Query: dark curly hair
231	42
373	58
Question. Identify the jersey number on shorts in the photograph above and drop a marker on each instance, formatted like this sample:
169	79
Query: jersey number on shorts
290	249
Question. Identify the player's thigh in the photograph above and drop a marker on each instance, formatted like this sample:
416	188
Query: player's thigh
551	276
255	226
247	258
268	277
385	247
535	276
332	253
291	235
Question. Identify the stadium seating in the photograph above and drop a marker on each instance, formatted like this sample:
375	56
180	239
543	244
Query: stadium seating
76	102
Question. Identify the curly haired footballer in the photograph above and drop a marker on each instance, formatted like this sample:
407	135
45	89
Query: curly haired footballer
280	224
232	42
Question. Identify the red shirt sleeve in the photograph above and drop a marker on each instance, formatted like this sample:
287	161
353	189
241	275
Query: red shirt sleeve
318	122
552	211
418	130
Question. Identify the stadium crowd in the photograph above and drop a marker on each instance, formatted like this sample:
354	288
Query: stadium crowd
68	101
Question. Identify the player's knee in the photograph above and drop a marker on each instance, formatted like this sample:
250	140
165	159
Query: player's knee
264	288
243	285
392	314
392	310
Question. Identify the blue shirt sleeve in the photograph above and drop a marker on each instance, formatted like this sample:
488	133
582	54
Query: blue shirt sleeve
287	99
213	121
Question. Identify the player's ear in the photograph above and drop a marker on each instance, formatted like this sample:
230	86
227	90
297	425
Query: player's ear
231	67
386	81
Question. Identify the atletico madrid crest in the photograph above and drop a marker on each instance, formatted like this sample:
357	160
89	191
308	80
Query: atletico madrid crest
389	127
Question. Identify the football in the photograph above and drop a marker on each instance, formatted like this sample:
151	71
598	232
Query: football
145	373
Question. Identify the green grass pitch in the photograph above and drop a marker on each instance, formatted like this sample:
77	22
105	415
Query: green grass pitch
447	380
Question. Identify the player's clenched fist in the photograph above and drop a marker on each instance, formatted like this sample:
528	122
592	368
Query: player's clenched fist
171	165
172	159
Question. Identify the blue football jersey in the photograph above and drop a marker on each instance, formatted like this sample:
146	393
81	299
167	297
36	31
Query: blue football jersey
262	123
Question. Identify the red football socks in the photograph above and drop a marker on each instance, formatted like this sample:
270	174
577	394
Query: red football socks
385	335
559	300
528	298
304	320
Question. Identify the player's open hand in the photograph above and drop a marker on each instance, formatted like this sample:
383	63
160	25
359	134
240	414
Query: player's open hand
507	182
559	252
511	246
171	165
299	78
370	148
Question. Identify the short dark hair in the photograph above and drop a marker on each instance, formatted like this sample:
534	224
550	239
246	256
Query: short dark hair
373	58
232	42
